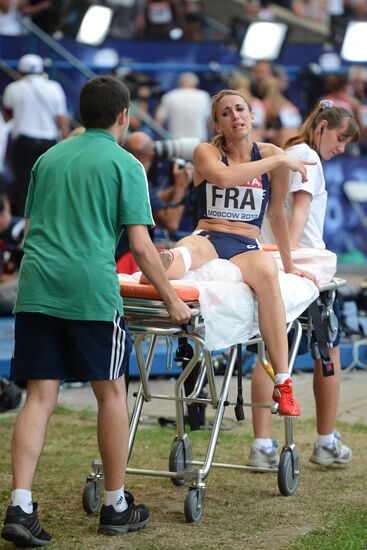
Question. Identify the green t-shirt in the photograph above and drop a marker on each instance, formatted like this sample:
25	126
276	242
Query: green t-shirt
81	194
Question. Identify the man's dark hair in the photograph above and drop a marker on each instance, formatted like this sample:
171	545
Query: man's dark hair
102	98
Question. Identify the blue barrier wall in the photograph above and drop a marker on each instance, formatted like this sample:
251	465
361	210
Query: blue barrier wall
344	231
160	362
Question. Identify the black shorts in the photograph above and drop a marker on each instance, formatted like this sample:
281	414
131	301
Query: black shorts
50	348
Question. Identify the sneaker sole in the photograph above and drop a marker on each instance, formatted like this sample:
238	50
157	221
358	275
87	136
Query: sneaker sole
329	461
122	529
21	537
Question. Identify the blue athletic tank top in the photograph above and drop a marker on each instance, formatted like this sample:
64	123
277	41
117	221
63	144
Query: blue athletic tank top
245	202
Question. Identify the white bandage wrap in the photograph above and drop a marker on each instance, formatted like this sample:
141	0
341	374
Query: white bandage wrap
186	256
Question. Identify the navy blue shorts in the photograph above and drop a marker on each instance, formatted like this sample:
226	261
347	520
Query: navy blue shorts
228	245
50	348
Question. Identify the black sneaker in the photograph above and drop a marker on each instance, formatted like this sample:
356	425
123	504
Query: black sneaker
135	517
24	529
128	497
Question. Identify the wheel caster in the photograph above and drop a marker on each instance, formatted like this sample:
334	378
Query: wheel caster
91	499
180	459
288	471
194	506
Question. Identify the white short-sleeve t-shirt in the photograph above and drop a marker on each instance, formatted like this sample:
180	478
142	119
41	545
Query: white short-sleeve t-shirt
312	234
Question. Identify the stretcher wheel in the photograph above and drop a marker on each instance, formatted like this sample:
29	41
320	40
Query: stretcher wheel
193	508
179	459
91	499
288	471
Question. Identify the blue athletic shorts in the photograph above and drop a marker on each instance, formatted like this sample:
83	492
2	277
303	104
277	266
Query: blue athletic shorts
228	245
50	348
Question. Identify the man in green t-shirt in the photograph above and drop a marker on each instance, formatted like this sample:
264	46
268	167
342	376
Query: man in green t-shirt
69	322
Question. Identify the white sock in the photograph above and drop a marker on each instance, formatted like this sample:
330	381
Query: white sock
281	378
263	443
326	440
186	256
22	498
117	499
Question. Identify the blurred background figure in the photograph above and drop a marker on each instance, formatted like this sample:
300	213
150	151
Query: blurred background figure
338	92
38	109
241	82
10	15
258	9
337	88
44	13
282	117
357	82
167	203
357	87
127	20
260	73
5	128
11	234
161	17
185	110
313	10
193	20
145	94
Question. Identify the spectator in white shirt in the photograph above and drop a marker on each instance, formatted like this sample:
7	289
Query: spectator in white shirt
38	109
186	109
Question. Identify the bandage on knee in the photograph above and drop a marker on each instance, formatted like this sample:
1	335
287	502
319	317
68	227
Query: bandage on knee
186	256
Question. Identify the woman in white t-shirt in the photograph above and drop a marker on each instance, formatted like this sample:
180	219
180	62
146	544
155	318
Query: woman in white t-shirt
323	135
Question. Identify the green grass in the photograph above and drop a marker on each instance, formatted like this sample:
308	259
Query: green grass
243	511
346	530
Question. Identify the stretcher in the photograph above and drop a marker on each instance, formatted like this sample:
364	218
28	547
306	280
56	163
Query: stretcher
148	320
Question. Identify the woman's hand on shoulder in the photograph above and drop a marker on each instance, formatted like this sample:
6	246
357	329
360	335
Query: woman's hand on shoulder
298	166
268	149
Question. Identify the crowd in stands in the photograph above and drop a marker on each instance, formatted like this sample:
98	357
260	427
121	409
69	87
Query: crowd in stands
151	19
164	19
319	11
183	110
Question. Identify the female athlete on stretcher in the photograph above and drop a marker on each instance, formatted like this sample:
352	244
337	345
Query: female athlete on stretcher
235	179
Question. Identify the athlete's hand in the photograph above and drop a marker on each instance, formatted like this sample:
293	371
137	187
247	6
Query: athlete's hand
304	273
298	166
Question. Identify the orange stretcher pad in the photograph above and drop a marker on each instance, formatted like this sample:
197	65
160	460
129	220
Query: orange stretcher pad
132	289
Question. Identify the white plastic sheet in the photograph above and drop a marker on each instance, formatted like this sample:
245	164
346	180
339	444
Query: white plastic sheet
229	307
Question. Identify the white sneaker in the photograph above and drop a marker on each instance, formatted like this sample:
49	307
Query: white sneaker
326	455
264	457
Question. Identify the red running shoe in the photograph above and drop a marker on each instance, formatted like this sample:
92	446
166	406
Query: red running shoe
283	395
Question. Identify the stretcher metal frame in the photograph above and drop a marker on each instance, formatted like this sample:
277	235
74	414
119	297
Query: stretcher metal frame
148	320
